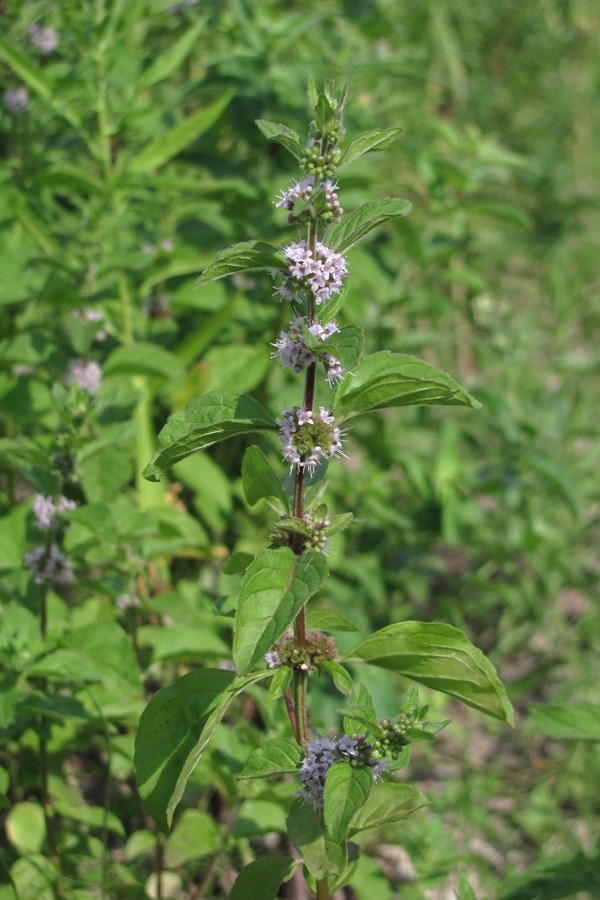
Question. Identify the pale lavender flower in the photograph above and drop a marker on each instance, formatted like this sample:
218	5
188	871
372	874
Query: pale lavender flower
127	601
87	375
322	753
167	245
49	564
322	273
300	190
16	100
307	437
44	38
272	659
293	353
45	510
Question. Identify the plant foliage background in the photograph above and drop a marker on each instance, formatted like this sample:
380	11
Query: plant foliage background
129	158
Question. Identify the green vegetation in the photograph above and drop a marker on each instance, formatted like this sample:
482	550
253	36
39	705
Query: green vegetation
130	158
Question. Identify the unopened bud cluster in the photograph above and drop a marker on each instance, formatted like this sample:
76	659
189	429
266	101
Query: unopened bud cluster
317	648
393	736
307	437
317	538
320	163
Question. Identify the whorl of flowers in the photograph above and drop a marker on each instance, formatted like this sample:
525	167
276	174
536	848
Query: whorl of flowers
45	510
49	564
317	648
16	100
322	273
308	437
86	375
44	38
292	352
323	752
304	190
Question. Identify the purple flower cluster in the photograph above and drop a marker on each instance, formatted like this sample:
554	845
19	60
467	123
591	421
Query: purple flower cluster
49	564
86	375
45	510
292	352
44	38
322	272
323	752
307	437
16	100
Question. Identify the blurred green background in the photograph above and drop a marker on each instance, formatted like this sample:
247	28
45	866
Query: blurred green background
129	157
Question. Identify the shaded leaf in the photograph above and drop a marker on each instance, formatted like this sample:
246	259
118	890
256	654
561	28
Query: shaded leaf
260	479
327	620
142	359
339	675
260	880
247	256
281	134
323	857
172	58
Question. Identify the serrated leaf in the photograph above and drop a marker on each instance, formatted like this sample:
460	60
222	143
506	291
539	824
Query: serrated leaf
388	802
339	675
339	523
440	657
174	730
246	256
260	880
275	757
347	788
171	59
142	359
354	226
572	722
168	145
327	620
378	139
282	134
260	479
388	379
214	417
274	589
346	345
360	710
323	857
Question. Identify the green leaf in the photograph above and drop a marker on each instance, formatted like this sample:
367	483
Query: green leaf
354	226
168	62
555	878
260	880
388	379
35	78
346	344
164	148
281	134
195	835
260	479
339	523
142	359
174	730
276	757
26	827
206	420
347	788
327	620
440	657
279	684
572	722
360	710
246	256
378	139
388	802
274	589
465	891
323	857
339	675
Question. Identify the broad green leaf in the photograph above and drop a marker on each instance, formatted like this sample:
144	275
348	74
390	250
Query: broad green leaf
347	788
388	379
26	827
323	857
347	344
440	657
260	479
274	589
339	675
281	134
354	226
279	684
388	802
168	145
203	422
195	835
142	359
93	816
275	757
174	730
378	139
246	256
327	620
572	722
260	880
169	61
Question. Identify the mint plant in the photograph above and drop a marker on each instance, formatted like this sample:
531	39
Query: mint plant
345	781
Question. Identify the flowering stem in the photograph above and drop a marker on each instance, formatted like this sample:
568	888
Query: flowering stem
299	693
323	890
